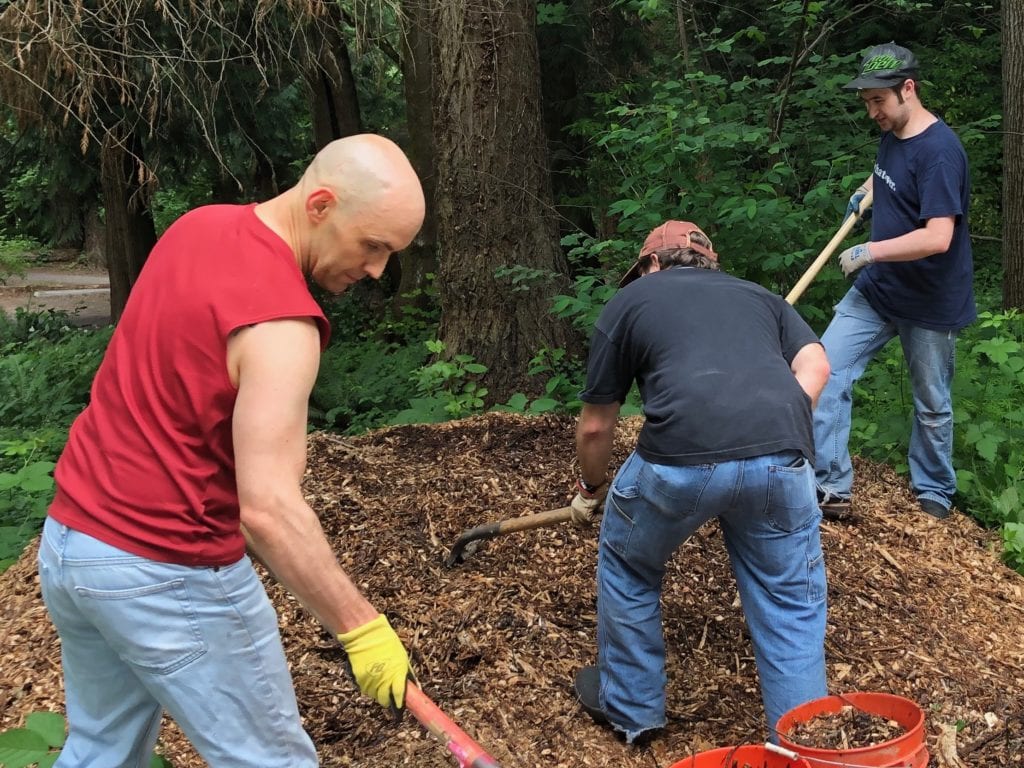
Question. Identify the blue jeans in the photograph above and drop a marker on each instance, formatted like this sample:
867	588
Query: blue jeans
139	637
769	515
853	337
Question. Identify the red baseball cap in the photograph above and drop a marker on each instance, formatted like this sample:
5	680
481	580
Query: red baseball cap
671	234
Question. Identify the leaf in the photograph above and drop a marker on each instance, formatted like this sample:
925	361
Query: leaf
543	404
987	447
49	725
517	402
20	747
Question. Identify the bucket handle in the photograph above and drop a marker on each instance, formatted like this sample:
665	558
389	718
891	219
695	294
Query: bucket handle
789	754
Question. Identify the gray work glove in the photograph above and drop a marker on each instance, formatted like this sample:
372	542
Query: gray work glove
854	258
588	504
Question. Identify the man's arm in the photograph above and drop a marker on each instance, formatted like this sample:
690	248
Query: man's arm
934	237
811	369
595	435
274	365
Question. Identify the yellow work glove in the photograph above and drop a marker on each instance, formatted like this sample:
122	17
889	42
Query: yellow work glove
587	506
378	660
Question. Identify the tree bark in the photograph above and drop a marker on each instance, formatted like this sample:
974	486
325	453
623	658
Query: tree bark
494	196
1013	155
336	110
420	258
129	234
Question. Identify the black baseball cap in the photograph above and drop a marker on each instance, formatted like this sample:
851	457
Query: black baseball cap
884	66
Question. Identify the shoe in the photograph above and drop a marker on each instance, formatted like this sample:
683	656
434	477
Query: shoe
587	685
934	508
833	507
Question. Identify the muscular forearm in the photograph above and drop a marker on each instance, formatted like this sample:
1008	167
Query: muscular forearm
595	437
594	452
292	546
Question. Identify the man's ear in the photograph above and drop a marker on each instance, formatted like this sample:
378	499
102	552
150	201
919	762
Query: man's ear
319	202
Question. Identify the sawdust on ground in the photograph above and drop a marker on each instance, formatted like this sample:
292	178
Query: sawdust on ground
918	607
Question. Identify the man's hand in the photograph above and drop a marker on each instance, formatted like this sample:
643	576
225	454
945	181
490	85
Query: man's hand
587	505
854	258
379	662
853	207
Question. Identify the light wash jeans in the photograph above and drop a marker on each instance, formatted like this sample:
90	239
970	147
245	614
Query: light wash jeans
769	516
139	637
853	337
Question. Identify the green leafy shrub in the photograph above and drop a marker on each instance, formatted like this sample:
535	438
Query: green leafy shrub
14	255
46	383
363	384
24	496
989	396
39	743
46	372
445	389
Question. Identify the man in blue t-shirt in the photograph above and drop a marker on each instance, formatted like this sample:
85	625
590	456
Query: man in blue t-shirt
914	280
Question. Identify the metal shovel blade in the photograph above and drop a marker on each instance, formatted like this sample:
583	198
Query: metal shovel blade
459	550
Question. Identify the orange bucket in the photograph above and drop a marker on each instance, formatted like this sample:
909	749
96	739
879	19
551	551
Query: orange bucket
754	755
905	751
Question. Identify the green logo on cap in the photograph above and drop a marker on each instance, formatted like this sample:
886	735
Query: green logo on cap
883	62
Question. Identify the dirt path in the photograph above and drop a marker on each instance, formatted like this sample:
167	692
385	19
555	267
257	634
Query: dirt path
82	291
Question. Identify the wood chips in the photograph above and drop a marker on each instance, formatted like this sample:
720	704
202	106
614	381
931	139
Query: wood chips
918	607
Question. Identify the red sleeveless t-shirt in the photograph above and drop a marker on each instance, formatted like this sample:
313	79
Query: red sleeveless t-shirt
149	465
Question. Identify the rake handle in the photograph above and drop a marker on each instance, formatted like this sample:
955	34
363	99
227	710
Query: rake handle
458	742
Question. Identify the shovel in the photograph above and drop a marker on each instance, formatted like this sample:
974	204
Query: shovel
466	751
829	249
461	549
465	544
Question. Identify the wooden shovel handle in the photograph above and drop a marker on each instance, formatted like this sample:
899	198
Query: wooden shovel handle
501	527
823	257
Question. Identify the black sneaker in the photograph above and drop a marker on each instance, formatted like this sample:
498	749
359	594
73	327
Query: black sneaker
833	507
587	685
934	508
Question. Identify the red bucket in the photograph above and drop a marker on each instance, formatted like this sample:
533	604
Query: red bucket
905	751
750	754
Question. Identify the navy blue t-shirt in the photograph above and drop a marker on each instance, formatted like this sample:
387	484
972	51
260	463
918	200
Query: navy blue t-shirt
916	179
711	355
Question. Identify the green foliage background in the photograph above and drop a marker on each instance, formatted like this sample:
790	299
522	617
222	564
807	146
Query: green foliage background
748	136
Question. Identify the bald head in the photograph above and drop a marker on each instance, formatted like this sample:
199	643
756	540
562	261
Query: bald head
367	170
358	202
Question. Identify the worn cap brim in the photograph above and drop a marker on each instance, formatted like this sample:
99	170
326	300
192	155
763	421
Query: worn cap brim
631	274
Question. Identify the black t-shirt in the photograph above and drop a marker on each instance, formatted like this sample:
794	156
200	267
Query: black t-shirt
711	356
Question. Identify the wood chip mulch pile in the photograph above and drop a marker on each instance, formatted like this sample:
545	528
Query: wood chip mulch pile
918	607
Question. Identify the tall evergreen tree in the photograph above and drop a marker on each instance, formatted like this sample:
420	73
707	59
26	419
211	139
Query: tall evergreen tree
494	198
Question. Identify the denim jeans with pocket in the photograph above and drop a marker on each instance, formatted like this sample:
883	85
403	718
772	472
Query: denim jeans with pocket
139	637
769	516
851	340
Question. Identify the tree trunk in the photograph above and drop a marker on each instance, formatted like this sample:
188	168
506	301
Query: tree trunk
1013	155
494	191
335	103
420	258
129	234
